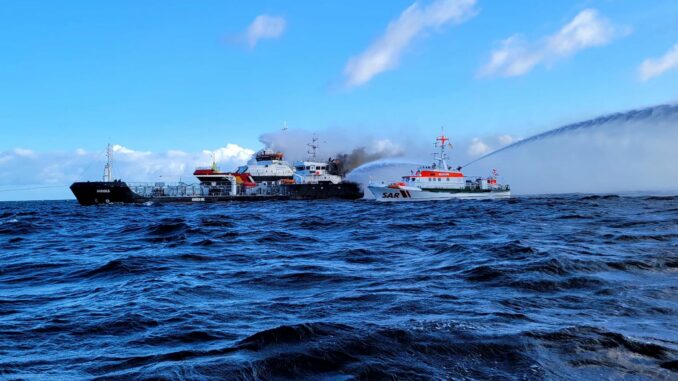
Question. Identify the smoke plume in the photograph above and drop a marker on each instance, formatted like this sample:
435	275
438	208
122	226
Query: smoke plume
350	150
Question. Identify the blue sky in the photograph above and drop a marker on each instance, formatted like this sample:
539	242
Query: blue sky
178	75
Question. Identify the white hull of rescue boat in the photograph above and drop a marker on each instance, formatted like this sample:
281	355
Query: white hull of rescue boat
387	194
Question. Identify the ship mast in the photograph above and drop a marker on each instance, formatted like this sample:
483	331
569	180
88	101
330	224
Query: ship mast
108	168
442	141
312	147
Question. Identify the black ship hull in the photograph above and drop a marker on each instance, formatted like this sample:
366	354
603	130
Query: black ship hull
345	191
104	192
110	192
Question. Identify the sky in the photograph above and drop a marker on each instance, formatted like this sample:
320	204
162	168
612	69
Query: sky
169	83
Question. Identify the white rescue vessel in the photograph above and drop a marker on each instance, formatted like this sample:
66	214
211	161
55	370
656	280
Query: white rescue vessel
440	182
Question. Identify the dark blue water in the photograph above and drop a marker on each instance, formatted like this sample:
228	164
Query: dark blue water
567	287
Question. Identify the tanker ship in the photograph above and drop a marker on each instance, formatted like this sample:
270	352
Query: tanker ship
267	177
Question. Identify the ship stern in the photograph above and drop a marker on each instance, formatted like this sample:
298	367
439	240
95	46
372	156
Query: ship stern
103	192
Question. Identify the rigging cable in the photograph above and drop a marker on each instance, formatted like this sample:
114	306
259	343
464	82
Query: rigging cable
33	188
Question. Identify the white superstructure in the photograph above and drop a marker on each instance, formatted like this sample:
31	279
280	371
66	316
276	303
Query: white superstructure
312	172
268	167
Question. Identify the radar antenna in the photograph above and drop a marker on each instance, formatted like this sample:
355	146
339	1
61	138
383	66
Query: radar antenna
312	148
108	168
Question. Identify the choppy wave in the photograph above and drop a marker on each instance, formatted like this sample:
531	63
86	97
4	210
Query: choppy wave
566	287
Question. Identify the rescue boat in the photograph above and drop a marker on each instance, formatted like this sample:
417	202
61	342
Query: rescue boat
440	182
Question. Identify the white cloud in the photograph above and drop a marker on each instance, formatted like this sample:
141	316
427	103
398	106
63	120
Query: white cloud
653	67
478	147
264	27
385	147
232	152
516	56
176	153
385	52
23	152
506	139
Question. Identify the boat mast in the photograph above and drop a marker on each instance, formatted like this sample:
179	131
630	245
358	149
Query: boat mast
108	168
442	141
214	161
312	147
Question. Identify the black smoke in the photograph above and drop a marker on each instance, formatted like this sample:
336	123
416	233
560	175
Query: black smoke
343	163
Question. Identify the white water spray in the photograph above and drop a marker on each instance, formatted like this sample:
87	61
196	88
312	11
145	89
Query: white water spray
634	151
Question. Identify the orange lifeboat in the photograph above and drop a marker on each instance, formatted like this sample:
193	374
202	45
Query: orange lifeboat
397	185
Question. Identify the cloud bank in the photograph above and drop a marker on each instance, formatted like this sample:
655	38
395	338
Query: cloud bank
23	167
264	27
385	52
516	56
653	67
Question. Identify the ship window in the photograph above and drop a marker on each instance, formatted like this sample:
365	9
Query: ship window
308	167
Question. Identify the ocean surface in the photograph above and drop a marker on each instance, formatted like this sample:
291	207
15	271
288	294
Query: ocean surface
567	287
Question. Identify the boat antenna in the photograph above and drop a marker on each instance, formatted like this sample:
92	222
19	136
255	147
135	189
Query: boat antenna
214	161
284	126
442	141
108	168
312	148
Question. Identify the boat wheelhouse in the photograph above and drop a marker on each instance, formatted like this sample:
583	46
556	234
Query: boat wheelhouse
312	172
268	168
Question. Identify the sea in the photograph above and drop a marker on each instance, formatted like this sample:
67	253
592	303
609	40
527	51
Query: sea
569	287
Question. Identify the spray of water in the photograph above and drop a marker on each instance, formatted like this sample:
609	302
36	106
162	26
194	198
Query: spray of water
622	152
381	171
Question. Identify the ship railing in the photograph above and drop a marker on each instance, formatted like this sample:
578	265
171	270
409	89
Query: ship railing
161	189
267	190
